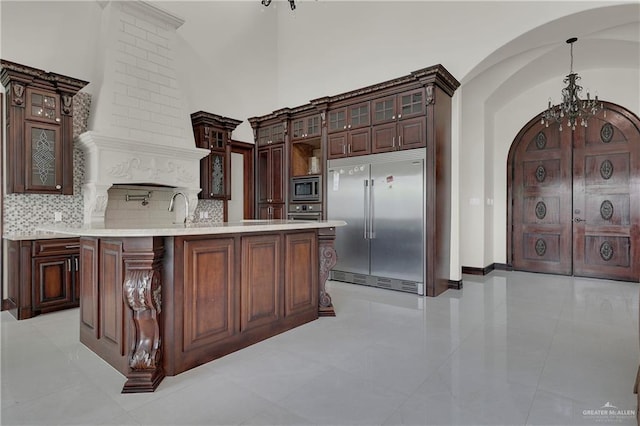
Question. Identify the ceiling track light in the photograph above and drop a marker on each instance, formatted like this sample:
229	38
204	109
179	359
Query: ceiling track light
292	3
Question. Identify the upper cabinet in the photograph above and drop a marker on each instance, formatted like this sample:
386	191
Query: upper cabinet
213	132
271	134
270	179
398	121
39	129
305	127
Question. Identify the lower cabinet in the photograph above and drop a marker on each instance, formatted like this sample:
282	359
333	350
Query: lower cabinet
230	292
43	276
271	211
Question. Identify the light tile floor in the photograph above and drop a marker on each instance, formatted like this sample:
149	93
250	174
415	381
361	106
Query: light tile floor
510	348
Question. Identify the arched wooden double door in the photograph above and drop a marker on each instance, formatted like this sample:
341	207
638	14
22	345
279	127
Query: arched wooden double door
574	198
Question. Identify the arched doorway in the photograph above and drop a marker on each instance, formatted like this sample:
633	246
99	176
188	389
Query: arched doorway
574	197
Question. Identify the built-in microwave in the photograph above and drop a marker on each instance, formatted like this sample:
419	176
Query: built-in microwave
307	189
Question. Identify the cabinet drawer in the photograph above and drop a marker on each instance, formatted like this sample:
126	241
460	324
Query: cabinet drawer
56	246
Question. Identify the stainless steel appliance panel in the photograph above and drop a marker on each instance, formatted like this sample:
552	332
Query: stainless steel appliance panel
396	218
347	201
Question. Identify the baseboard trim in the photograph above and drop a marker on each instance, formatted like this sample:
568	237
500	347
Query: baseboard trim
470	270
455	284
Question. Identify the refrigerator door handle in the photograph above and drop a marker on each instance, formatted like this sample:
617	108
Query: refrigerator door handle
372	231
366	208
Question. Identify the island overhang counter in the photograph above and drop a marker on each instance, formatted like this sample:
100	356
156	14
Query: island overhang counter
159	300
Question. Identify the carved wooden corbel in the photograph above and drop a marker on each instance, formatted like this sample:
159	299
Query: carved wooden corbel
67	104
328	259
18	94
142	290
430	95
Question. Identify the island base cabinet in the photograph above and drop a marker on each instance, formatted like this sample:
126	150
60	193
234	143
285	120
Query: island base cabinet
156	306
229	293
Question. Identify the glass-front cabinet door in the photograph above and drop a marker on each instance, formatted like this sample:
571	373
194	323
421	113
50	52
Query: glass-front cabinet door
44	153
411	104
43	105
217	175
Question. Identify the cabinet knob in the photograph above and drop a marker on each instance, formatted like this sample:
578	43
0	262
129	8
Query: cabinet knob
399	115
345	127
57	119
58	186
393	117
349	126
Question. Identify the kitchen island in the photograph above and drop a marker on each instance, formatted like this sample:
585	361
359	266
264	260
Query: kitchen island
159	300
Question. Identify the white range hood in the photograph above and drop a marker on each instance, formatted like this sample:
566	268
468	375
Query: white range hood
141	130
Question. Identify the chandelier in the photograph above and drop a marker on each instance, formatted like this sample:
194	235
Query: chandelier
292	3
574	109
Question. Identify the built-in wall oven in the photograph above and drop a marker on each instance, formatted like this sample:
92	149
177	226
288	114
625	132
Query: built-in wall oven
305	212
306	189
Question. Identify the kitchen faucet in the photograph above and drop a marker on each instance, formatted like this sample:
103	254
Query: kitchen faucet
186	204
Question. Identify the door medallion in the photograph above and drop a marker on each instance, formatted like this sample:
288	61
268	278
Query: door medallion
606	132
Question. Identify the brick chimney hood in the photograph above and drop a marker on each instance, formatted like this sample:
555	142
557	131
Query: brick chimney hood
140	127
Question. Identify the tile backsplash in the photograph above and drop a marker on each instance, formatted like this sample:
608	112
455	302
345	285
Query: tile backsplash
23	213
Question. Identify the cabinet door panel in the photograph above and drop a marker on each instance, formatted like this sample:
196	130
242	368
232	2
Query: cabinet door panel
52	280
89	285
359	116
411	104
411	133
337	145
261	282
384	138
337	120
43	150
301	273
383	110
264	173
359	142
208	291
43	106
277	174
111	303
277	211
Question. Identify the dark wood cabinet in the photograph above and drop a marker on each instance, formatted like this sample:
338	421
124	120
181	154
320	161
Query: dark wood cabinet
399	121
271	211
405	134
349	131
349	143
39	129
44	276
271	134
306	127
213	132
271	174
407	104
230	291
272	164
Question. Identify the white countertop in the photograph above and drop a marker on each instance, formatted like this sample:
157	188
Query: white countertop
131	229
35	235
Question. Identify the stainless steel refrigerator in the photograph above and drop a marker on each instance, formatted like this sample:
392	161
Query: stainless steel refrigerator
381	199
